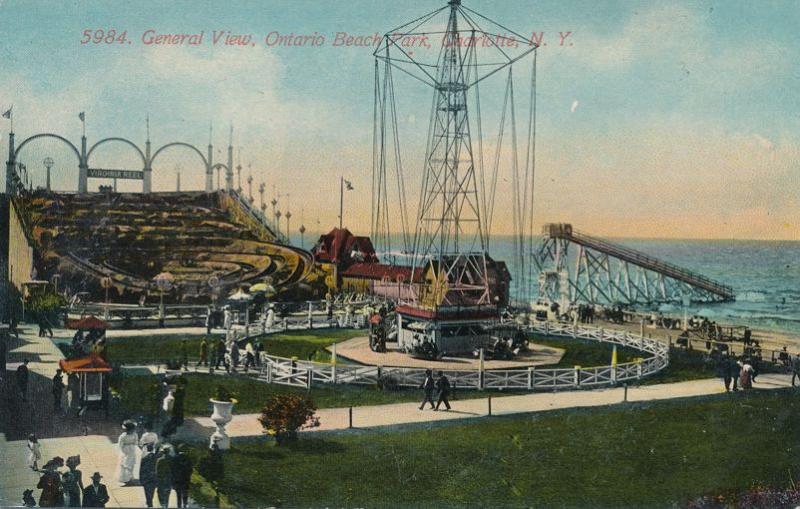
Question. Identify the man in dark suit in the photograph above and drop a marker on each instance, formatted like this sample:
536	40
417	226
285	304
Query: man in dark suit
96	494
428	386
443	385
147	473
22	379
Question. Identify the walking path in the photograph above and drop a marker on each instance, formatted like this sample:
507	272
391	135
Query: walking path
99	452
335	419
97	448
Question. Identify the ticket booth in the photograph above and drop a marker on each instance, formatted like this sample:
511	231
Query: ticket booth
92	372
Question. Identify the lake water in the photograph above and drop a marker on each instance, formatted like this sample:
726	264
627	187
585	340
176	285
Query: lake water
764	274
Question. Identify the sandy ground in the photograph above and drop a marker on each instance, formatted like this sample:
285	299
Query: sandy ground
769	340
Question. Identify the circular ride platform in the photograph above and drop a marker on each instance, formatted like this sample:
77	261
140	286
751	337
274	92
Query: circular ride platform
357	350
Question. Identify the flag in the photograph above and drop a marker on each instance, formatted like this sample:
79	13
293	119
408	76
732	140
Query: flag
7	114
82	116
348	185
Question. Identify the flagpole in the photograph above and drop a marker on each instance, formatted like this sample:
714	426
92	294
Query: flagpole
341	200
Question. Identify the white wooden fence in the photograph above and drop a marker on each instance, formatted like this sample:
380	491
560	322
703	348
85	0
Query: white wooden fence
299	373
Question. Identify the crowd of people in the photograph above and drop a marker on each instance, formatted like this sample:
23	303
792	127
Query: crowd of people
224	354
162	468
61	482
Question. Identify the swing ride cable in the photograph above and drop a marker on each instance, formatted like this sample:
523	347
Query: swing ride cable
530	158
401	191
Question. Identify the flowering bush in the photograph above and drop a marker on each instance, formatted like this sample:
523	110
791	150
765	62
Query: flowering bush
285	414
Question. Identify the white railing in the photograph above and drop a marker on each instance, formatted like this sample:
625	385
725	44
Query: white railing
307	373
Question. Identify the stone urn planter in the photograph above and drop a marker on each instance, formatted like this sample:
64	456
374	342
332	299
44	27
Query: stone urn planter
223	413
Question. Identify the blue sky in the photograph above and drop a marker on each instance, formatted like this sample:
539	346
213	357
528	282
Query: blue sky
675	119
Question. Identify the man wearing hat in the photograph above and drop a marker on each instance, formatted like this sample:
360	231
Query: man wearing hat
96	494
58	390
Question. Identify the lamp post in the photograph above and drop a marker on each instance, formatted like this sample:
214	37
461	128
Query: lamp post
105	282
261	194
48	163
250	187
278	223
239	178
302	236
288	230
164	282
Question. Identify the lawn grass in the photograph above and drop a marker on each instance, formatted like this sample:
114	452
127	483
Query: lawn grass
136	394
585	353
157	348
306	345
309	344
642	455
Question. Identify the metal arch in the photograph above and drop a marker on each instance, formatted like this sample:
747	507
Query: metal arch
182	144
123	140
49	135
220	165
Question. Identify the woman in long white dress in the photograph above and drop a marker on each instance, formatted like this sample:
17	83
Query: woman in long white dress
128	443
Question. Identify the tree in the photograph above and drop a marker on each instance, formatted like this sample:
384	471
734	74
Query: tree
285	414
44	304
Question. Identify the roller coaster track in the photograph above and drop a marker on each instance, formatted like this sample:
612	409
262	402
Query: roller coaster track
606	273
106	251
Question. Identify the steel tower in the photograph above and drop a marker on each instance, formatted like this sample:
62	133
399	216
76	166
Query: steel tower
451	232
449	238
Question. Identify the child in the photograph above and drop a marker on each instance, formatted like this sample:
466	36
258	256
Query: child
34	452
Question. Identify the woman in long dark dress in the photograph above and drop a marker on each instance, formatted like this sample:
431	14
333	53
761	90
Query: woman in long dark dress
50	484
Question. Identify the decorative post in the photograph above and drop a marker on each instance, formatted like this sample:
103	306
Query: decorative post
261	194
229	169
288	231
11	163
302	236
48	164
83	169
274	202
210	162
480	370
250	187
147	171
